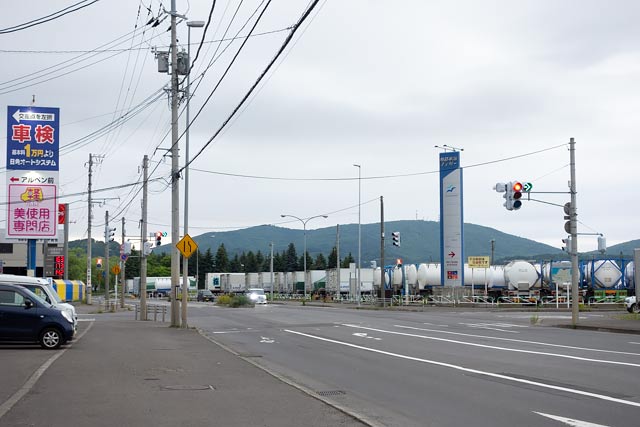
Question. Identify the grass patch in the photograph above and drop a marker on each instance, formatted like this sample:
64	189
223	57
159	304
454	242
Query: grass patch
535	319
630	316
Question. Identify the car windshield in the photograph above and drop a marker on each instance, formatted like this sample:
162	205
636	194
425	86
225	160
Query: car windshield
257	291
38	298
56	297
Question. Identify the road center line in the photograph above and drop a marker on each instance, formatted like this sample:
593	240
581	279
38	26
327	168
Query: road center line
473	371
515	350
517	340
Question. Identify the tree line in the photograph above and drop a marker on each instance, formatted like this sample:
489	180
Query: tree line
200	263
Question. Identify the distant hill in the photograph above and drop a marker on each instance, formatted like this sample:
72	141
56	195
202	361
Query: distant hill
420	242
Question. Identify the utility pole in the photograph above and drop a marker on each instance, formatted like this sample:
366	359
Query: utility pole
573	218
175	189
143	253
382	289
88	281
338	260
271	269
106	260
122	264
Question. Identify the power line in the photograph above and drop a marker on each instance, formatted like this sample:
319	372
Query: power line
274	178
47	18
264	72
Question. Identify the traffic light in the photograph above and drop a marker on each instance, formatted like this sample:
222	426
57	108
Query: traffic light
395	236
99	263
512	194
567	244
158	238
109	233
516	194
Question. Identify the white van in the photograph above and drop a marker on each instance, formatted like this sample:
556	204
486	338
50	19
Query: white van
44	289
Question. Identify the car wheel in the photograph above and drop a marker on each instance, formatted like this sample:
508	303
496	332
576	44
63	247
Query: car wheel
51	338
634	308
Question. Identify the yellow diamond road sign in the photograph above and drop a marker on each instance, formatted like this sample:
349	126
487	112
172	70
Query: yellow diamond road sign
187	246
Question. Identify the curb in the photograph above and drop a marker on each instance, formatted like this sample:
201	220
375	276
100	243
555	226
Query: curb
600	329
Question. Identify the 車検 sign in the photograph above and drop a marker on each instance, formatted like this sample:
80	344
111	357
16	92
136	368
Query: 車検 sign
33	138
33	141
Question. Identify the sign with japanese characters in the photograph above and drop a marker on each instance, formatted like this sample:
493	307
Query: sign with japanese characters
451	220
33	138
478	261
32	211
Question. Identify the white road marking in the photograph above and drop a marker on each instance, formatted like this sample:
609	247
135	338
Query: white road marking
492	326
522	341
267	340
569	421
473	371
365	335
631	342
515	350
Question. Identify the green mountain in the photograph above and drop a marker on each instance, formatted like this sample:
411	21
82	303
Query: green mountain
420	242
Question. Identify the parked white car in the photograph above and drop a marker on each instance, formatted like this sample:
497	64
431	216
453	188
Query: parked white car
632	306
42	288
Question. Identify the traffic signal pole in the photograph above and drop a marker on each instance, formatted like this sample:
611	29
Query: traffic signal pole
573	218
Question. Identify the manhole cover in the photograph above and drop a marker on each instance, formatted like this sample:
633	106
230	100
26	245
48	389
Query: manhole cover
187	387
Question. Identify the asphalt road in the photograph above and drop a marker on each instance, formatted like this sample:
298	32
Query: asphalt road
440	367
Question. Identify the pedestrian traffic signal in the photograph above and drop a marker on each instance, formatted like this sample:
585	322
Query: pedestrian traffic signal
395	236
566	244
158	238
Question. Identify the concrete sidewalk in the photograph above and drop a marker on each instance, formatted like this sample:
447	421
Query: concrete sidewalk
122	372
605	321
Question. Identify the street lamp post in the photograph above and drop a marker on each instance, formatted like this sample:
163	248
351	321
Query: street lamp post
304	255
359	234
185	260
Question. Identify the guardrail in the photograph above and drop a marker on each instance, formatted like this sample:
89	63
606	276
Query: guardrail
152	309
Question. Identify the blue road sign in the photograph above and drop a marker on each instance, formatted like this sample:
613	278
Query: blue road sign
33	138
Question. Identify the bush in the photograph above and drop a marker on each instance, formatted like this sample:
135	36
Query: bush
234	300
239	301
223	300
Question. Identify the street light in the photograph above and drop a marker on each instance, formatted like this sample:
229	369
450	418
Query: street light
185	260
304	255
359	234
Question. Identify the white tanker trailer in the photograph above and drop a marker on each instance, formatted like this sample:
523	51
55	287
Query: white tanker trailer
376	279
522	278
629	277
602	274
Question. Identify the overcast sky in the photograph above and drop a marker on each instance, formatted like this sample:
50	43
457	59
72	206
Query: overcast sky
370	82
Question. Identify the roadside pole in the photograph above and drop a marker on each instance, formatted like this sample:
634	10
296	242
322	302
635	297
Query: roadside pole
573	218
382	289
